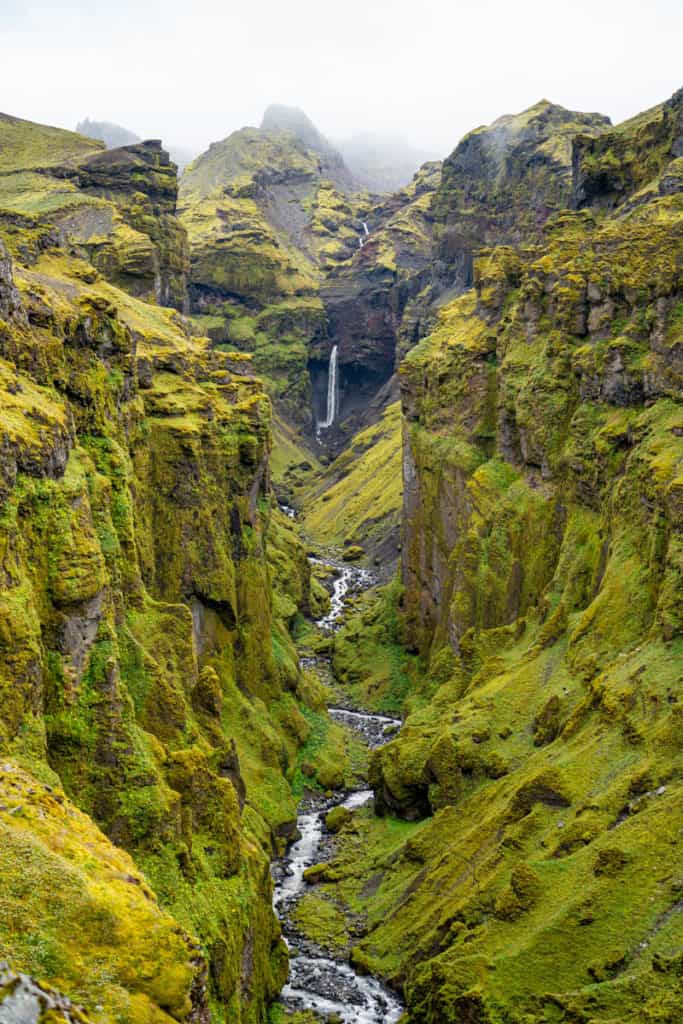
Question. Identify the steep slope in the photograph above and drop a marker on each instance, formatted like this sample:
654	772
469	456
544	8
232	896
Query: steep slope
246	204
279	118
77	901
115	208
357	499
502	182
611	168
543	431
147	592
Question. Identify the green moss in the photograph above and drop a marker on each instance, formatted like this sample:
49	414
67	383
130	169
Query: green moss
321	922
357	499
145	656
25	145
540	555
369	658
71	899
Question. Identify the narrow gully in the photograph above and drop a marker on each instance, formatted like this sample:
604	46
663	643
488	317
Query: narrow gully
330	987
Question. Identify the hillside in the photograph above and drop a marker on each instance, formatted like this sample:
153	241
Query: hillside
542	583
148	589
392	701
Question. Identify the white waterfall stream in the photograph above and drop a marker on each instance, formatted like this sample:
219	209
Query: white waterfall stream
319	982
332	392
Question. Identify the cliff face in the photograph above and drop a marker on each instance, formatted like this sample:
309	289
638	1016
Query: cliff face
142	183
115	208
588	320
147	675
373	300
502	182
543	446
612	167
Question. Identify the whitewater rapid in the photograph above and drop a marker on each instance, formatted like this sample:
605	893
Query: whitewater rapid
317	981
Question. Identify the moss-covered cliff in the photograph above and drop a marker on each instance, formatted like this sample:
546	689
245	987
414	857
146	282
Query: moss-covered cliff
503	181
543	448
147	675
287	261
253	208
115	208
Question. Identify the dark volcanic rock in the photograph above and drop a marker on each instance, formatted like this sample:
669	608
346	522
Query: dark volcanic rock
142	181
611	167
502	182
368	298
10	302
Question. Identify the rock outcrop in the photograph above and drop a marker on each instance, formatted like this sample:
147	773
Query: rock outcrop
614	166
278	118
142	183
543	446
115	208
502	182
147	590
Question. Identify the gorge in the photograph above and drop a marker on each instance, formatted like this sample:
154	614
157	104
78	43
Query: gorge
341	578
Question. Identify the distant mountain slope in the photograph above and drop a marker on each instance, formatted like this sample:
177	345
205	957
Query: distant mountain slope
382	163
112	135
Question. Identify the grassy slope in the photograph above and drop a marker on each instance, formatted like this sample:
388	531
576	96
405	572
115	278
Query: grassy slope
542	881
357	499
132	480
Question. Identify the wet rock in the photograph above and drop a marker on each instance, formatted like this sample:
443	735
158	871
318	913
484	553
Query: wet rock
25	1001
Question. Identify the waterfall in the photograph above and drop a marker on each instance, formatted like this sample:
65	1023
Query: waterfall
361	243
365	228
332	391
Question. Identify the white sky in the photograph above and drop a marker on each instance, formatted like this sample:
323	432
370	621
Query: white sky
193	71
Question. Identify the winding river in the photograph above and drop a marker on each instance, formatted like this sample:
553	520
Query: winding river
330	987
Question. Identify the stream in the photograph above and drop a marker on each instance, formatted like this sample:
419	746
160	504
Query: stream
330	987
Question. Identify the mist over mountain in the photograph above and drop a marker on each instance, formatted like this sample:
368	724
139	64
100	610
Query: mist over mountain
112	135
383	163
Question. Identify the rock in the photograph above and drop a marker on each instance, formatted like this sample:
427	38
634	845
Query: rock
25	1001
10	302
338	818
353	553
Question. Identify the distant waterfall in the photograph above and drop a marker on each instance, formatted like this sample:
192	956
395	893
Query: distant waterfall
332	392
366	230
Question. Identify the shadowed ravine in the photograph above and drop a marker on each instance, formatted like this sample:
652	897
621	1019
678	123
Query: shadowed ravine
316	981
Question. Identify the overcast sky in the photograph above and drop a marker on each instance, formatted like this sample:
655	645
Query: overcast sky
193	71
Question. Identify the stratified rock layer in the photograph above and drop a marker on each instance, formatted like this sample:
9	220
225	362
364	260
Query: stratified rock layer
147	590
543	575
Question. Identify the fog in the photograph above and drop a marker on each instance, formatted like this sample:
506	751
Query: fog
428	70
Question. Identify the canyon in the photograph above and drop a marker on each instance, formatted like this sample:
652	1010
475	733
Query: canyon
341	578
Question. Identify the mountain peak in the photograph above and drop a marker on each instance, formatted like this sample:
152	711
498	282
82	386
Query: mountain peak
292	119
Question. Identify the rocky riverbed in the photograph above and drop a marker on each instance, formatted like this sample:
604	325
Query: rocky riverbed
317	981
